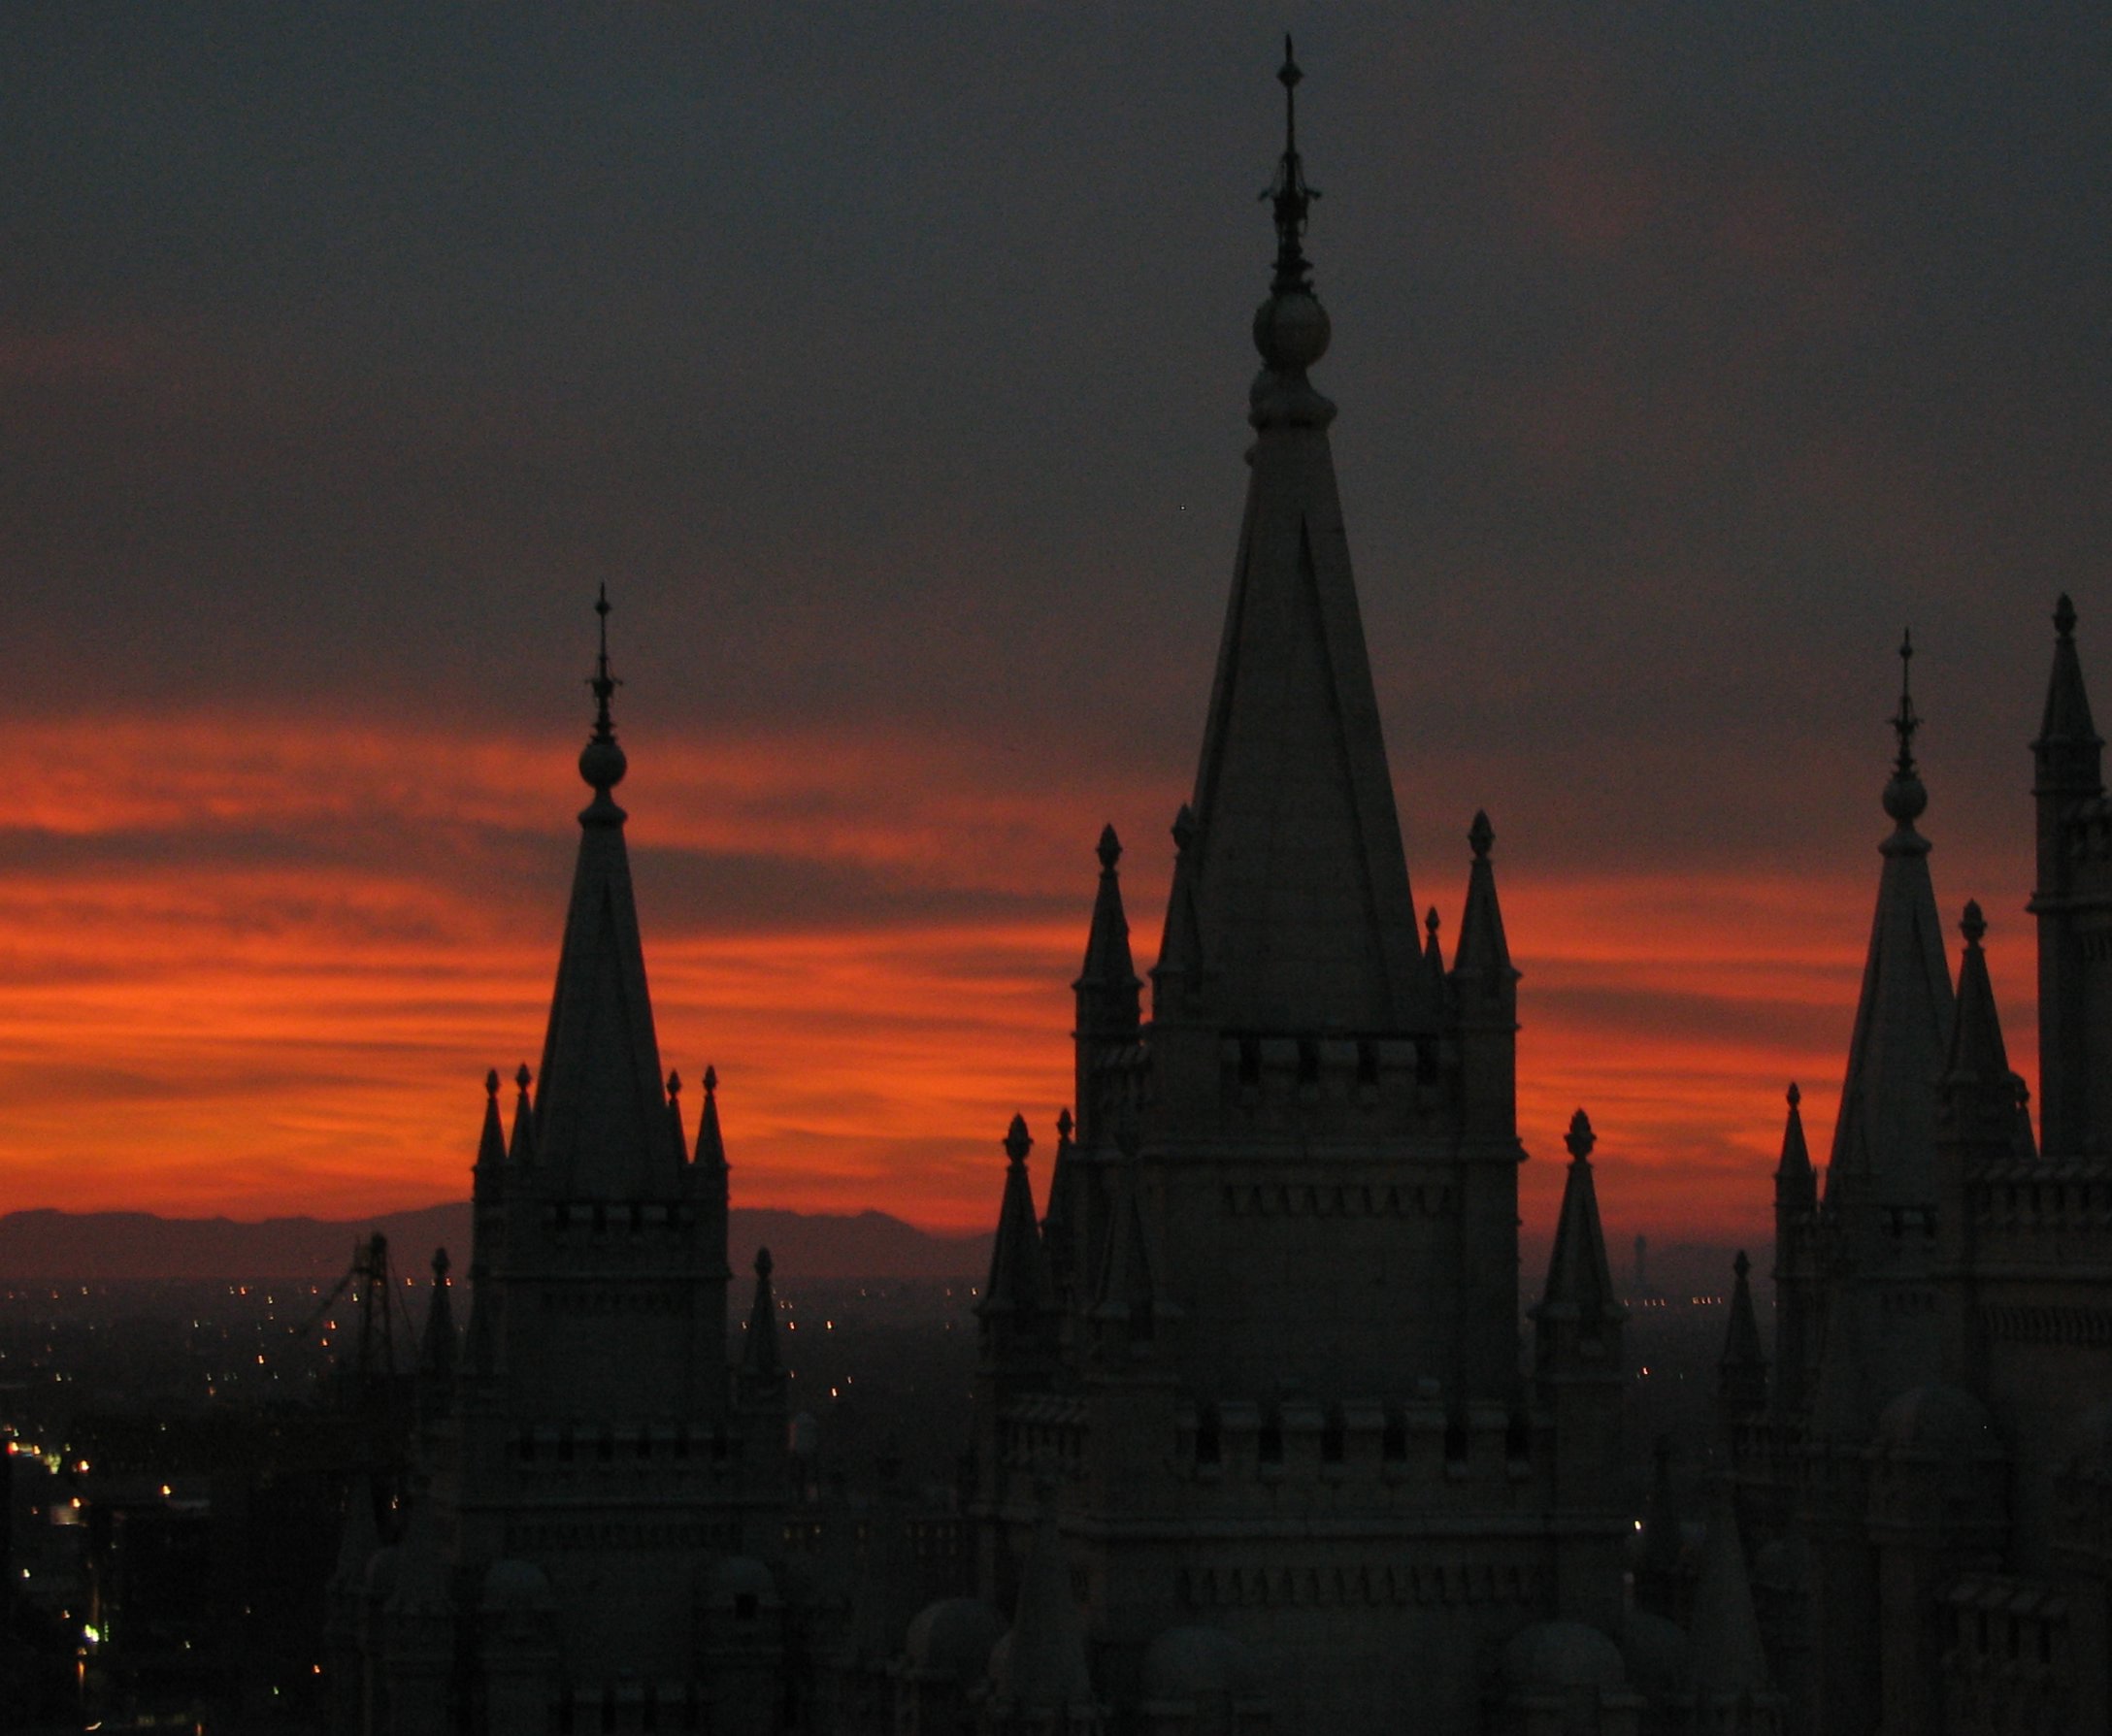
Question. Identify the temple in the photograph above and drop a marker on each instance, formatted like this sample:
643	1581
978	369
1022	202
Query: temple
1927	1468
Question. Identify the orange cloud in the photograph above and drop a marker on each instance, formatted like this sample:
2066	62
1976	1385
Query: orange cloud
261	968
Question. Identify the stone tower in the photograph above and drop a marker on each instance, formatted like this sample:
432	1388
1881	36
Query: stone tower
1265	1339
601	1474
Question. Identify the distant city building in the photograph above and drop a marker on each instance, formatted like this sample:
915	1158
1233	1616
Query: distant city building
1927	1467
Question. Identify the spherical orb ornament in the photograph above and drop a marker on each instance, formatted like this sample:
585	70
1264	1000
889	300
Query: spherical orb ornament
1292	331
602	763
1905	798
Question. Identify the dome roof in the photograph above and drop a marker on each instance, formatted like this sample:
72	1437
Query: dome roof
1191	1663
1660	1659
1936	1419
1563	1655
1783	1565
738	1576
511	1585
954	1637
381	1570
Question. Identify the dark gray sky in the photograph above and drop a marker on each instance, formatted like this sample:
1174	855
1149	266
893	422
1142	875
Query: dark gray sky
889	363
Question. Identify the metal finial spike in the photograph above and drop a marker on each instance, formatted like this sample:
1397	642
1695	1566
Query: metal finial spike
1288	192
1906	720
602	682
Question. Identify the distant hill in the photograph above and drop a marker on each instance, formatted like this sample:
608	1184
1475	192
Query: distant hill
42	1247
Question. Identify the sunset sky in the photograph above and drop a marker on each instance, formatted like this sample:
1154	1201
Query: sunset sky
889	364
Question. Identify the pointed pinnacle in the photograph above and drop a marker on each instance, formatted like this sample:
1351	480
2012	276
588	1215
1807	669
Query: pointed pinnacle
1480	835
1017	1141
492	1083
1063	1125
1580	1138
1975	926
524	1078
1741	1265
1110	848
439	1265
2065	617
674	1084
763	1262
1429	922
711	1079
1795	1096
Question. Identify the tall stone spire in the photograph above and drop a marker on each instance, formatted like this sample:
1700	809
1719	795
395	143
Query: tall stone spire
1884	1140
1300	889
602	1126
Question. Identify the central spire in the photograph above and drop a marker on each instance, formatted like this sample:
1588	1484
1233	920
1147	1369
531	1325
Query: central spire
1291	909
603	1130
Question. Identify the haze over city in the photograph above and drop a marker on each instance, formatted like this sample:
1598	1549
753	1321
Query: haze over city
889	366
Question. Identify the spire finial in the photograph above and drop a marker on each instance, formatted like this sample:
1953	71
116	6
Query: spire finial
601	762
523	1078
1904	796
1795	1096
1580	1138
674	1084
711	1080
491	1084
1290	197
2065	617
1017	1141
1111	848
1480	835
1974	926
1291	327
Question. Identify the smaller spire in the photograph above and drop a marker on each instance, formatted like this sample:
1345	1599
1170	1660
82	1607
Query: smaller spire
674	1111
1741	1371
1977	1053
1579	1303
436	1347
759	1365
1018	1288
1107	986
1040	1678
1730	1661
1793	1172
710	1142
2068	744
1482	950
491	1142
1432	957
523	1149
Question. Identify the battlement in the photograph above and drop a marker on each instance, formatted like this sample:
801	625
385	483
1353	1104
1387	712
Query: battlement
1331	1083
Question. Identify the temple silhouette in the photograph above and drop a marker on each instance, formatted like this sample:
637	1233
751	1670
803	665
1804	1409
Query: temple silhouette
1259	1446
